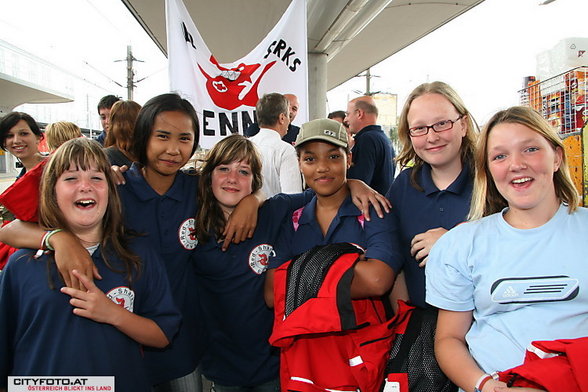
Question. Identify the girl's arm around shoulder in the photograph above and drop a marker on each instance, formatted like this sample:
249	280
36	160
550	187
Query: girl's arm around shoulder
363	196
243	220
69	253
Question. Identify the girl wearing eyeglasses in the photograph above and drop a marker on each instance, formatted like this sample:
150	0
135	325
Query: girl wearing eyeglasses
432	194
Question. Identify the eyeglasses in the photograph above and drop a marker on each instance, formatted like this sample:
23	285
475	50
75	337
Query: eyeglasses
440	126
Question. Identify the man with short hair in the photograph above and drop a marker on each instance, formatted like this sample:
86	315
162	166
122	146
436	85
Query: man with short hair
293	130
104	106
280	164
372	155
339	116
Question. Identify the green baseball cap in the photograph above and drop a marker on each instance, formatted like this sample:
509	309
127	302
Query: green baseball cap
324	130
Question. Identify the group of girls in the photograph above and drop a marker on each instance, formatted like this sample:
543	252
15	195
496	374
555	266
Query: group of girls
158	206
515	187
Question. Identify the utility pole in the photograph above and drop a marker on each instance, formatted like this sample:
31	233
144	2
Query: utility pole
368	80
130	72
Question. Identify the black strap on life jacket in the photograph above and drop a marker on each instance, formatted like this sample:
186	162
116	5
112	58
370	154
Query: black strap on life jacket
307	272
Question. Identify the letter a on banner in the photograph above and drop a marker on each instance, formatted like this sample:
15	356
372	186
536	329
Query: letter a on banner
225	95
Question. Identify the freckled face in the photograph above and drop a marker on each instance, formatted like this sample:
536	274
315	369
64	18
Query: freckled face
231	182
82	196
438	149
522	163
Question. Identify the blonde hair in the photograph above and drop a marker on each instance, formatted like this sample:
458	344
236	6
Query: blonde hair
486	199
59	132
407	153
83	153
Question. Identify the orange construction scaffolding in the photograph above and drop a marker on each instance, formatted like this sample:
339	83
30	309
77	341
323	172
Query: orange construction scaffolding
562	100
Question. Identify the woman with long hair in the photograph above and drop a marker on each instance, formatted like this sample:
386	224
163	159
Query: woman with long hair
515	273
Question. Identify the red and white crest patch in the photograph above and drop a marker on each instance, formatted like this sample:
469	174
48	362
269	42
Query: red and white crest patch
122	296
187	234
259	258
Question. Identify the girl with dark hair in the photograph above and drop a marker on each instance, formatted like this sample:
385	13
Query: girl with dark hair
20	135
133	297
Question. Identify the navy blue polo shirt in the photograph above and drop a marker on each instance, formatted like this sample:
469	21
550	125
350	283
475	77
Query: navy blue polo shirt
417	211
373	159
40	335
238	322
347	226
168	223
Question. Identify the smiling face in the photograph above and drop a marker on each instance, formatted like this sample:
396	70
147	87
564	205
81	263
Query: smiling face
170	144
522	163
21	141
324	167
439	149
231	182
82	197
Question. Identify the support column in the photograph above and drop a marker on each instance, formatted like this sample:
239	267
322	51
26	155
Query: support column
317	85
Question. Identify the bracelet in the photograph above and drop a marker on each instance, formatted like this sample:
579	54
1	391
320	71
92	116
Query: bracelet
481	382
42	247
46	238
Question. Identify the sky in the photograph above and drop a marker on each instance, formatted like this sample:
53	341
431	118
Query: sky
484	54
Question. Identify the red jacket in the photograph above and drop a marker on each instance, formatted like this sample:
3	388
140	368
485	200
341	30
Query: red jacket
22	200
329	342
556	365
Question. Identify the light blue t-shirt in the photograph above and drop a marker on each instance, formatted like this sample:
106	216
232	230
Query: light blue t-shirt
523	285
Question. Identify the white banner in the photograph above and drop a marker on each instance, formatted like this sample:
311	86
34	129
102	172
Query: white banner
225	95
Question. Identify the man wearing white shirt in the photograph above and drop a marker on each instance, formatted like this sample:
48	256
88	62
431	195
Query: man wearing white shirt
280	164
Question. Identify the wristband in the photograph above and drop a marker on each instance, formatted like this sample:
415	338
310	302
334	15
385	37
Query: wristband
481	382
45	244
43	247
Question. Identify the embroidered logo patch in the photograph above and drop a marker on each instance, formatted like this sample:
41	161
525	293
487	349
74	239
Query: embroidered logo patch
259	258
187	234
122	296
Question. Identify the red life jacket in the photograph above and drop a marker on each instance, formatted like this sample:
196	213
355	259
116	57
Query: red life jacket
328	341
556	365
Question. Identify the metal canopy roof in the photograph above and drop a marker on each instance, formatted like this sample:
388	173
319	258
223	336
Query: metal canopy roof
16	92
355	34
